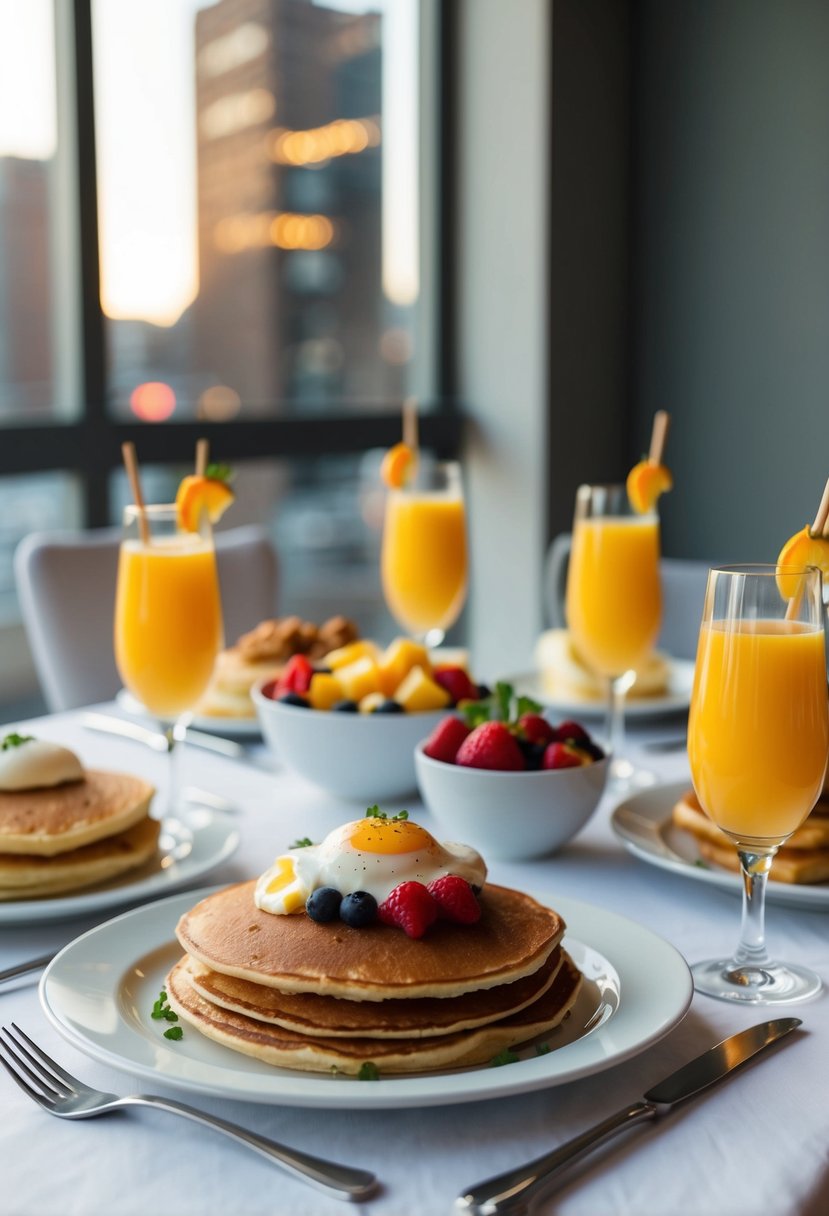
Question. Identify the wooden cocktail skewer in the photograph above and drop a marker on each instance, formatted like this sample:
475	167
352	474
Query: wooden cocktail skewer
202	453
131	465
659	434
820	527
410	424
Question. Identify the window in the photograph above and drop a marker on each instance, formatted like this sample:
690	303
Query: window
214	220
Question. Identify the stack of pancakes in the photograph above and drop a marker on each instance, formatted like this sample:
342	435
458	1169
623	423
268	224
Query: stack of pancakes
323	997
65	837
804	858
261	654
564	673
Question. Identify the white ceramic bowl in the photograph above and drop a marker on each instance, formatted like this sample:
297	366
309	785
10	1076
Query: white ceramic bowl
510	816
365	758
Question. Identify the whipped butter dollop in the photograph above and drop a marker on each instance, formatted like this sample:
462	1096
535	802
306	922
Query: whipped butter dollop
27	763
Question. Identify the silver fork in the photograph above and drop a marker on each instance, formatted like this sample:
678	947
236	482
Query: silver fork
61	1094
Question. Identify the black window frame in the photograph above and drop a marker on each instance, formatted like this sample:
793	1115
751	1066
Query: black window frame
89	446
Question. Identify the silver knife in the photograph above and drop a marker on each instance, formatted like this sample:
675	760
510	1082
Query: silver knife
511	1193
158	741
32	964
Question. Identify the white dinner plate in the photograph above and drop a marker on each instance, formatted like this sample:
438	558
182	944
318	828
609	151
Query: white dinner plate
186	852
675	699
232	728
100	989
643	824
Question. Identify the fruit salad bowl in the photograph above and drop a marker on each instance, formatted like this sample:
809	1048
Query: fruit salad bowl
511	816
359	757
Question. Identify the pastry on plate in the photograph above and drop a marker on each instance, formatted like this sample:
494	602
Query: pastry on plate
564	673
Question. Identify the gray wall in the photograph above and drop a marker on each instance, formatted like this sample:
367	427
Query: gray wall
731	265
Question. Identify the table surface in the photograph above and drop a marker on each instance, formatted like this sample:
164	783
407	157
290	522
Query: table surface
758	1141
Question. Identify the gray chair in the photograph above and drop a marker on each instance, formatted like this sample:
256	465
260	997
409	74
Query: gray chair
683	593
66	589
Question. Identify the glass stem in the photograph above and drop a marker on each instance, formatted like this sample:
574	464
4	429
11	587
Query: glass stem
615	729
176	733
751	950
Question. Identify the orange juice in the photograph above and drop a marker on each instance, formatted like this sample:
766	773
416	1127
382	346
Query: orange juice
759	728
168	621
614	600
424	561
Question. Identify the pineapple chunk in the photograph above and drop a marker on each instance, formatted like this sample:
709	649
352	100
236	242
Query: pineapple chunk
370	702
419	693
359	678
344	655
398	659
324	690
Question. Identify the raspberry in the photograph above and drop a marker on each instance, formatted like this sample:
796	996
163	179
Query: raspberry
568	732
490	745
561	755
410	907
456	682
536	729
445	739
455	898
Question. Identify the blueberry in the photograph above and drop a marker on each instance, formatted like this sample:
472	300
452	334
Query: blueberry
389	707
592	749
345	707
533	753
323	904
293	698
358	909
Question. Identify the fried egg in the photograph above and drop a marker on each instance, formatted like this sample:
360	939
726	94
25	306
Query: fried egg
373	855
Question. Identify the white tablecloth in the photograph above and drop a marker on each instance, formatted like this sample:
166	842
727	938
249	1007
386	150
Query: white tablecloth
758	1142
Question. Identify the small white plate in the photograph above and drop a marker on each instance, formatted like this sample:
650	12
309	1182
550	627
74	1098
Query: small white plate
232	728
644	826
100	989
676	699
186	852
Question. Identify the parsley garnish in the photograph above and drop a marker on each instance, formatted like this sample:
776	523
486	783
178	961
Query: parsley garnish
374	812
504	1057
702	864
163	1012
543	1049
175	1032
219	472
14	740
304	842
368	1072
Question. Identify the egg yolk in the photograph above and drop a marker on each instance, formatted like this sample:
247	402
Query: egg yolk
284	876
388	836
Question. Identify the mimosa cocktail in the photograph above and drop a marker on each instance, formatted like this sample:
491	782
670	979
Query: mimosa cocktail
758	741
424	554
613	601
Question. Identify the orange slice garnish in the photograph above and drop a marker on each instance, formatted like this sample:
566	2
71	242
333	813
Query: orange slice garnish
397	466
646	481
802	549
197	495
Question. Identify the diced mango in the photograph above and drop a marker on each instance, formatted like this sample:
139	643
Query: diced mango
370	702
344	655
398	659
324	690
359	678
419	693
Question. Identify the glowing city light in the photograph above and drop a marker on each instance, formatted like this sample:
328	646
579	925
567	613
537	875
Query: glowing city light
342	137
153	401
283	229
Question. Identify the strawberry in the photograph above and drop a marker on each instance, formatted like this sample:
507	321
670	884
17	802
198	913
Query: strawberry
536	729
445	739
490	745
296	675
562	755
571	731
456	682
410	907
455	898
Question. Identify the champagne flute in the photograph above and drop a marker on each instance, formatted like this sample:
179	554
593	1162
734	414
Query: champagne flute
613	601
424	553
168	618
758	737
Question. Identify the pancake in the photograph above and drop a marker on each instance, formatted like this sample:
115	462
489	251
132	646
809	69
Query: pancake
28	877
332	1017
227	933
286	1048
564	673
803	859
46	822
